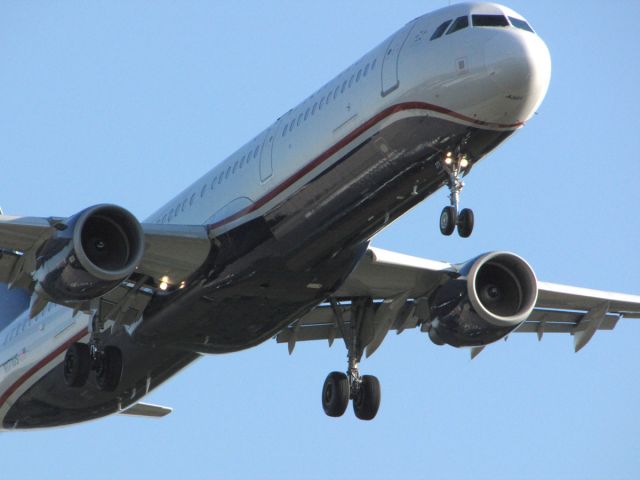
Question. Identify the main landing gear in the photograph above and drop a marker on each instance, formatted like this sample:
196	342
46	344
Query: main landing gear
450	218
339	388
82	358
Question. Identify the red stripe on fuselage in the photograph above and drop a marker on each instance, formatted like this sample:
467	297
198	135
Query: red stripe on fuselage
41	364
348	139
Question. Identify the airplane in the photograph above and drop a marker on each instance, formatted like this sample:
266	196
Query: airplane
273	243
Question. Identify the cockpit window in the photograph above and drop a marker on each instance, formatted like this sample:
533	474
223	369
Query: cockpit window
516	22
440	30
489	21
459	24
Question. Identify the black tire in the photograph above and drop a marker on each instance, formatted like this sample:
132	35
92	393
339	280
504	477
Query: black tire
109	369
465	222
367	403
448	220
335	394
77	365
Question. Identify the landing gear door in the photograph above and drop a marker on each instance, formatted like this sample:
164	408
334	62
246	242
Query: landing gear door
390	80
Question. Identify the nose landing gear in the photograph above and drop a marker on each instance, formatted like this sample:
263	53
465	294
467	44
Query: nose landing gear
451	217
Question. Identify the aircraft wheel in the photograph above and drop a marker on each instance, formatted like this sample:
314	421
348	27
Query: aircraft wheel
367	402
448	220
465	222
77	365
109	369
335	394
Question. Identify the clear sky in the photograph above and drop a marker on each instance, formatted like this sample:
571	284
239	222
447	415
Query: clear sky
129	102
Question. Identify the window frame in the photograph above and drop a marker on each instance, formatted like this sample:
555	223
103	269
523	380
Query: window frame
452	28
440	29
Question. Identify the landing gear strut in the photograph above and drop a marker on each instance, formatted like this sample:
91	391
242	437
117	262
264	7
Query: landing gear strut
339	388
451	217
81	358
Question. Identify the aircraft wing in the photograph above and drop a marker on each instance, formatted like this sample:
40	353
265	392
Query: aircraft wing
401	286
172	251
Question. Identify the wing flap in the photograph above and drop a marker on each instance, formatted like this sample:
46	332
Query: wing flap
174	251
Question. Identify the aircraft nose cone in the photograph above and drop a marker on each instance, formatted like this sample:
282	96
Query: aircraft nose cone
520	65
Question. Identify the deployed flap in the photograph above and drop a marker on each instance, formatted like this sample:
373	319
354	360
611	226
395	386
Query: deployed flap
147	410
173	251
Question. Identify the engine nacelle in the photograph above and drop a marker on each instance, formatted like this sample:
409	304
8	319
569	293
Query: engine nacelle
99	248
495	293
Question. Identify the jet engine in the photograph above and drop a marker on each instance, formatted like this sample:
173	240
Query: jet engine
89	255
494	294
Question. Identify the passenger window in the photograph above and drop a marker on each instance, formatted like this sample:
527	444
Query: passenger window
459	24
516	22
489	21
284	131
366	70
228	172
335	92
184	205
299	119
306	114
177	210
315	106
328	97
220	177
204	189
359	75
373	65
255	152
242	161
192	199
291	125
440	30
235	166
164	218
351	80
321	102
344	85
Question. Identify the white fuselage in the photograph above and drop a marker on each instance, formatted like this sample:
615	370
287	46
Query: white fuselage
479	76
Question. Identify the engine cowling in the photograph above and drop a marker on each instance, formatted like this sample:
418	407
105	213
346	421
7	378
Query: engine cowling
494	294
99	248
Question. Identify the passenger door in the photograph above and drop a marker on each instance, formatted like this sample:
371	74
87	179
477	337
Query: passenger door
266	154
390	80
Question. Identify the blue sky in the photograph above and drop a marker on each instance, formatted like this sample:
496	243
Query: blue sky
129	102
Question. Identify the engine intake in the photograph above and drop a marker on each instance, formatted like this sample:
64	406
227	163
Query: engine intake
99	248
495	293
